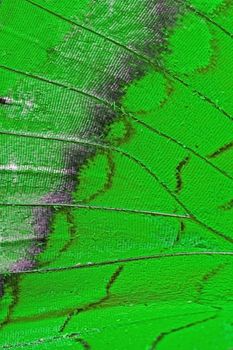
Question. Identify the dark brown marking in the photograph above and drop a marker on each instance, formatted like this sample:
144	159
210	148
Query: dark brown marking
221	150
179	169
180	233
108	183
94	304
13	282
72	231
162	335
205	279
84	343
227	206
5	100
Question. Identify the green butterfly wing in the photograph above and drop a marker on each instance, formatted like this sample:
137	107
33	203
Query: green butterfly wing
116	174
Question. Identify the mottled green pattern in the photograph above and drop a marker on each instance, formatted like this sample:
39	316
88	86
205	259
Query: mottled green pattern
116	172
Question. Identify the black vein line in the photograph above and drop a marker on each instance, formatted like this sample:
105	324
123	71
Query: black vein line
126	260
163	135
208	19
92	207
202	96
55	83
170	138
162	335
94	304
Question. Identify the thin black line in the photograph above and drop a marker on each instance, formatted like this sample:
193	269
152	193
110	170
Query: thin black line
83	206
126	260
203	15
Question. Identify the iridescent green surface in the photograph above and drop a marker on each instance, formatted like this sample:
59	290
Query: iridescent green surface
116	172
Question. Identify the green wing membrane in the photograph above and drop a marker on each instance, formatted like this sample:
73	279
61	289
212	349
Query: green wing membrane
116	173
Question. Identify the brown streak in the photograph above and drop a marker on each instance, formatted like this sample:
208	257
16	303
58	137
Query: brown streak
180	232
84	343
72	231
13	281
162	335
109	180
207	276
95	304
221	150
179	169
227	206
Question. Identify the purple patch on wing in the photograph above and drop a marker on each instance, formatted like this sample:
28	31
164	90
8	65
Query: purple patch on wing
22	265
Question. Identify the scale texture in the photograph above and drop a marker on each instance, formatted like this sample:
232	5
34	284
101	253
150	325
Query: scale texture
116	168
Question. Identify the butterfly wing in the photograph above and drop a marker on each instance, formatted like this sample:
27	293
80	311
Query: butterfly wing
116	174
